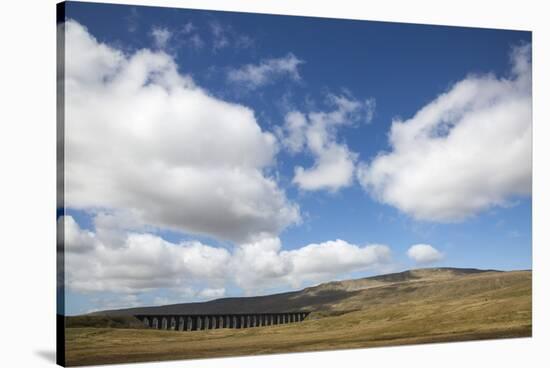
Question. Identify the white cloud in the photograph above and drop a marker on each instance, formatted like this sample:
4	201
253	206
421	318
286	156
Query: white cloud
325	261
174	40
424	254
187	28
370	106
142	263
75	239
223	35
220	38
253	76
146	148
333	170
132	20
188	36
464	152
211	293
161	36
258	264
316	133
196	41
294	137
146	262
144	140
243	41
263	264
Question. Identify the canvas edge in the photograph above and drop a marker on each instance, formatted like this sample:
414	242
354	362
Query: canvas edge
60	183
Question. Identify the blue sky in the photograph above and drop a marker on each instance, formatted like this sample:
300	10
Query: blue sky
445	91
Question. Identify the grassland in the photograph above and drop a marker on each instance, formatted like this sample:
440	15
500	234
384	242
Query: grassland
429	307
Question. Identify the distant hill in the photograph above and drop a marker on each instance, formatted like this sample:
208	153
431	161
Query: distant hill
411	307
330	298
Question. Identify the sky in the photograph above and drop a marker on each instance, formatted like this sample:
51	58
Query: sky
216	154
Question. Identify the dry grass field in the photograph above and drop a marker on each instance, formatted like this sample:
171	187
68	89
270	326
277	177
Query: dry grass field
433	306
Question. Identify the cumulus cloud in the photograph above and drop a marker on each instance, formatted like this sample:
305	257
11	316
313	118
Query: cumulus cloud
146	150
263	264
325	261
253	76
333	169
466	151
142	263
75	239
145	262
424	254
316	134
142	139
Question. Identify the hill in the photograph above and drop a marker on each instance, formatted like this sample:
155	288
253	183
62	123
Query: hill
332	298
417	306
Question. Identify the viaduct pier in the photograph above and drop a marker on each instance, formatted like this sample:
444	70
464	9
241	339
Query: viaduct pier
193	322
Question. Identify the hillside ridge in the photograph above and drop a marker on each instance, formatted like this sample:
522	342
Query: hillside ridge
314	298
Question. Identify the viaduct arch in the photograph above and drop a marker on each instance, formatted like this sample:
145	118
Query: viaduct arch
194	322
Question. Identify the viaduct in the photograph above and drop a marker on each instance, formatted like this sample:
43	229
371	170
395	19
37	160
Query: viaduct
193	322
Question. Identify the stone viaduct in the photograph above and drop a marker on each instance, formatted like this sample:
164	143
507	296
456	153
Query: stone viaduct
193	322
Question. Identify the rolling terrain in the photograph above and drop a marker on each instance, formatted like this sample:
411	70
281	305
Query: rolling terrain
417	306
